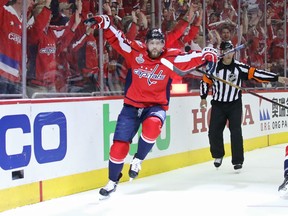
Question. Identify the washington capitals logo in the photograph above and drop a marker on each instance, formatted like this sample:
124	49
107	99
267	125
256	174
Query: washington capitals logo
151	76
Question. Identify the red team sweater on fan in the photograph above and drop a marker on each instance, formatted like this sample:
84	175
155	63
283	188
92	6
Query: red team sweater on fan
50	41
10	43
150	81
90	55
175	37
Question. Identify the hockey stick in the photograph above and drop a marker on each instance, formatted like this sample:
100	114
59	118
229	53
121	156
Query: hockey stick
177	70
233	50
192	70
217	23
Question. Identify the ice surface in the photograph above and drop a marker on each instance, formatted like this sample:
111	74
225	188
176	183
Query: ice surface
195	190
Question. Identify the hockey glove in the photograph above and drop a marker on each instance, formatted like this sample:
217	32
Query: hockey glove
98	22
209	55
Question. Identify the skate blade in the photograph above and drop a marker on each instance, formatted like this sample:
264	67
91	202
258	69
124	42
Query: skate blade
238	171
131	179
283	193
102	198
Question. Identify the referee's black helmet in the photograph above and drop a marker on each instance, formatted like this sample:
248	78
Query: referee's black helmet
226	45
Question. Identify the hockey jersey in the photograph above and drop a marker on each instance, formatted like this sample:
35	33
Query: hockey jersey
85	52
149	81
234	73
49	42
10	43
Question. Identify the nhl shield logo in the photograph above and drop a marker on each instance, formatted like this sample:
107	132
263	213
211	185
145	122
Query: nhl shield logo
232	78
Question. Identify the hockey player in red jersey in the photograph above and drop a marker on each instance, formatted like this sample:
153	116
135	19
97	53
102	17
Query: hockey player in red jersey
147	93
283	188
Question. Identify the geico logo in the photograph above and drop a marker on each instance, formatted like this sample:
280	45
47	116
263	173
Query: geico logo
42	155
14	37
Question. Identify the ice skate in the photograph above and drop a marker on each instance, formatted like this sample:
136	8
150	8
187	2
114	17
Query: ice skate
237	167
218	162
109	188
283	188
135	167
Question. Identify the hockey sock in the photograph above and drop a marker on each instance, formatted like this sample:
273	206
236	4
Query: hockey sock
118	152
151	128
143	148
286	163
114	170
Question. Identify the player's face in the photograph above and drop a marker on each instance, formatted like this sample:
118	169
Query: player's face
155	47
227	59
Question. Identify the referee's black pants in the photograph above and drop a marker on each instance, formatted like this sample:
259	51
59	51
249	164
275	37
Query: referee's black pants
220	113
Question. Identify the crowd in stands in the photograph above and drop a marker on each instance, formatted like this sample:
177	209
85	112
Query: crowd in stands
63	54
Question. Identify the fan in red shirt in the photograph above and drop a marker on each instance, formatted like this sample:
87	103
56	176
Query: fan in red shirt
47	42
278	47
83	63
11	46
147	93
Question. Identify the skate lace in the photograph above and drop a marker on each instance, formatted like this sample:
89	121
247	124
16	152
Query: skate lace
136	164
218	160
110	186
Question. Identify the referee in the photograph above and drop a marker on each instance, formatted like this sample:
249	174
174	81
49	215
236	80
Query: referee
227	103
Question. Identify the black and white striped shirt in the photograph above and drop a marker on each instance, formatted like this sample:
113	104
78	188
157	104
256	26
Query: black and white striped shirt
234	73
